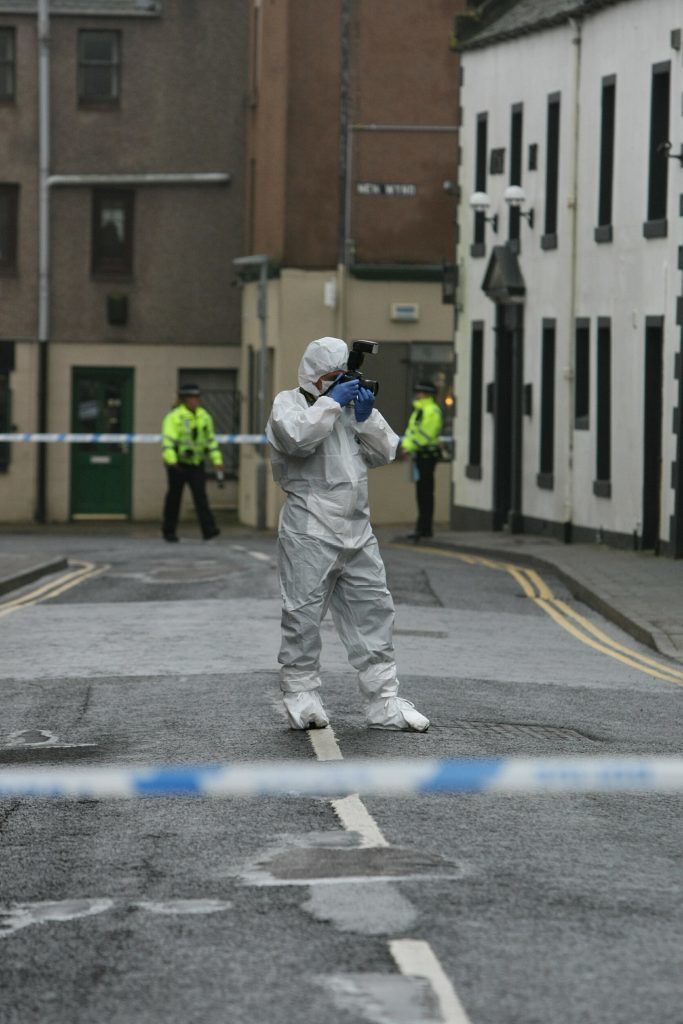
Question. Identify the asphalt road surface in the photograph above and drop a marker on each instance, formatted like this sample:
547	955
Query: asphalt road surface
403	910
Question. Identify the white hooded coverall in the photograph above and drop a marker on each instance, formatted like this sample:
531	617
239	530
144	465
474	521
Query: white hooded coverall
327	552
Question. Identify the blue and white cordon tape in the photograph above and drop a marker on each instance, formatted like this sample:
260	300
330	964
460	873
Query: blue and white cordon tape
124	438
134	438
340	778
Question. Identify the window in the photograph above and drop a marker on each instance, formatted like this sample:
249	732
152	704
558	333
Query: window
515	168
398	366
552	171
9	203
112	232
99	65
478	248
221	399
602	486
547	447
655	226
473	469
603	232
7	65
582	375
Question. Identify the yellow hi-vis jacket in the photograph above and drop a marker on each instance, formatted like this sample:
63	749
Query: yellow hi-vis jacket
188	436
424	428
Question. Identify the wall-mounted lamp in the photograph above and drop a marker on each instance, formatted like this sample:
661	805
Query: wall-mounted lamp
666	147
480	203
515	197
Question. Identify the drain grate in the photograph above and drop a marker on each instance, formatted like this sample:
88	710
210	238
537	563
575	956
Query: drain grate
528	729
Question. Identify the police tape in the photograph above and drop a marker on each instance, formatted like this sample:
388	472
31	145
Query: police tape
553	775
134	438
123	438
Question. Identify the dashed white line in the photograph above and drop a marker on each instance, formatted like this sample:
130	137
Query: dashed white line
350	810
259	556
415	958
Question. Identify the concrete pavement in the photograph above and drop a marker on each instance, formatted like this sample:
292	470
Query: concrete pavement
641	593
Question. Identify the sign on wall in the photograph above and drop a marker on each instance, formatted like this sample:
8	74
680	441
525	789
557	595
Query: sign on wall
385	188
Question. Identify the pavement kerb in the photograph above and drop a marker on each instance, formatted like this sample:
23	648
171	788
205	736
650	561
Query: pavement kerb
21	579
576	587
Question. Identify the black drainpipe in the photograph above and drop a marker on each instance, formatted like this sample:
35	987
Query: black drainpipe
344	104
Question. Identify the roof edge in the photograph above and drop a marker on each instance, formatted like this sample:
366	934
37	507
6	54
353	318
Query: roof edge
469	27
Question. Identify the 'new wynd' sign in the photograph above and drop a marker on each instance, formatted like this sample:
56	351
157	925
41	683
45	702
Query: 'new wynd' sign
385	188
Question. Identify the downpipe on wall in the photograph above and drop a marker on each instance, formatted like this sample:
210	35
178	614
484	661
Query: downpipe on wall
570	368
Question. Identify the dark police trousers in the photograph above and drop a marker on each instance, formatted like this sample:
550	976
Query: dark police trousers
194	477
424	488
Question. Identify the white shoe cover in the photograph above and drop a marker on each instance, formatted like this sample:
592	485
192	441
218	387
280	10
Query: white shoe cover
395	713
305	710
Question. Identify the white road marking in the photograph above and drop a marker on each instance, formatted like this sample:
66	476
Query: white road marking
325	745
259	556
182	906
413	957
18	741
21	915
417	959
350	810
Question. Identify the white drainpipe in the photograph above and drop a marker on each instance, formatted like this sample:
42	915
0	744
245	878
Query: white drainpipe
207	178
570	371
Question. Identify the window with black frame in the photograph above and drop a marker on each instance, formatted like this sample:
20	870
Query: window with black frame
112	232
552	172
7	65
9	204
99	67
658	184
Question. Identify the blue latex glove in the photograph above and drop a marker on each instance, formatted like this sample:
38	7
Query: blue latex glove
364	404
344	392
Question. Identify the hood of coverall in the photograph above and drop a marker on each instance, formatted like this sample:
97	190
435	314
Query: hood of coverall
321	356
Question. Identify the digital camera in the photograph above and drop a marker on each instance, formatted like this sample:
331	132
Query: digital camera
359	350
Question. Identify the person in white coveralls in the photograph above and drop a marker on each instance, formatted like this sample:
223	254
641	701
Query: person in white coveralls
322	438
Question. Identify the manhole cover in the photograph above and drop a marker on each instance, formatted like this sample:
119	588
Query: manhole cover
542	732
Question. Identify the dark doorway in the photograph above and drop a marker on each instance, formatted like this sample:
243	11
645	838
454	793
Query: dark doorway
652	432
503	422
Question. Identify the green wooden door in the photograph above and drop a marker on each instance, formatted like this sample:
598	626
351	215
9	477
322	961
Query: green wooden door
102	402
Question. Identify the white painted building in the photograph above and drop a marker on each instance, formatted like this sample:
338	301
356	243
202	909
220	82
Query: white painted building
569	332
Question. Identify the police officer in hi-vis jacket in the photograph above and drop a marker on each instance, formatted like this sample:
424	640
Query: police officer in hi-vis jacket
421	442
187	437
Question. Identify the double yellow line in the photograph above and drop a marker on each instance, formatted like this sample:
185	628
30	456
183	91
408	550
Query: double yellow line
81	571
538	591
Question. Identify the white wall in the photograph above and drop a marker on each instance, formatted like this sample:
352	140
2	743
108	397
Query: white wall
627	280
